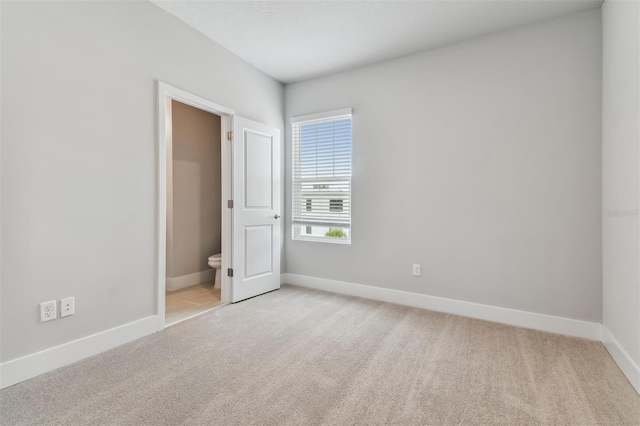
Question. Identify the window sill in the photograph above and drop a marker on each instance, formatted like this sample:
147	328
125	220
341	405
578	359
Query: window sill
343	241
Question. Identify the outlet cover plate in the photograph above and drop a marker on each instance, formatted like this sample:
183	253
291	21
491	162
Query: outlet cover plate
416	269
48	311
67	307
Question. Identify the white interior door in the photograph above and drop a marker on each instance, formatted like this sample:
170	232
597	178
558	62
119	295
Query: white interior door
256	209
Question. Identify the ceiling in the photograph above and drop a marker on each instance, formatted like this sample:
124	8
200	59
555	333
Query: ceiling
296	40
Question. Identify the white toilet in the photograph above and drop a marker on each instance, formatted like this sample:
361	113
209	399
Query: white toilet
215	262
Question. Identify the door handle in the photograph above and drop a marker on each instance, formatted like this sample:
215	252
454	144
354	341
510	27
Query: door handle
277	216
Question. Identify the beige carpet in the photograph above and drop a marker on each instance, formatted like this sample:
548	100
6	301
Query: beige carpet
304	357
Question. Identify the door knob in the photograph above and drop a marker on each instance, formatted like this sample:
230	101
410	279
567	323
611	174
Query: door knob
277	216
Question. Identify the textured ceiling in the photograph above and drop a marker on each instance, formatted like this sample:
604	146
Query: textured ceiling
297	40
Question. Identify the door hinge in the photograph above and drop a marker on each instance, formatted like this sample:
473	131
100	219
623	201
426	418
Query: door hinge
230	136
230	204
230	272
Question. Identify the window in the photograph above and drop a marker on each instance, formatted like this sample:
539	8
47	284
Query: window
321	193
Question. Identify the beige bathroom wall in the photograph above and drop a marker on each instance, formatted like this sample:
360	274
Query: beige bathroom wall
196	213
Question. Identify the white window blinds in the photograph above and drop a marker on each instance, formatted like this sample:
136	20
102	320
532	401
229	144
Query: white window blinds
321	192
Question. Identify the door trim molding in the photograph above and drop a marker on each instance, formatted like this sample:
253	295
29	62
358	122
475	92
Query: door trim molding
525	319
166	93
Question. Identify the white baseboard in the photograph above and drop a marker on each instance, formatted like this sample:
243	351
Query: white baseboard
622	358
192	279
553	324
29	366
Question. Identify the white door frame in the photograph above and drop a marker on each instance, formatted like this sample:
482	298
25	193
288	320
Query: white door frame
166	93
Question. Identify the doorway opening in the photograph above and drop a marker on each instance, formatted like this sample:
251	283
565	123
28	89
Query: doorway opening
194	226
194	213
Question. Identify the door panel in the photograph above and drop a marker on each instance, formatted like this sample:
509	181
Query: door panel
258	250
256	223
258	150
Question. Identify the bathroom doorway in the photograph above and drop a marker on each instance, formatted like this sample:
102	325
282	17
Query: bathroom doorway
194	213
197	224
250	202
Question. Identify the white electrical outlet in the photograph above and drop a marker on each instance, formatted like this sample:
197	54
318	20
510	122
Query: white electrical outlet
416	269
67	307
48	311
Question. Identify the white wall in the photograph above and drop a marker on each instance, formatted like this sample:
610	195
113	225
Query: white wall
479	160
621	184
79	156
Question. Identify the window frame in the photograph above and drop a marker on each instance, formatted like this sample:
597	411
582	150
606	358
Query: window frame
297	233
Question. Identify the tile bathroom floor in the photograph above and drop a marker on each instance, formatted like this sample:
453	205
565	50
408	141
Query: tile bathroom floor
189	301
